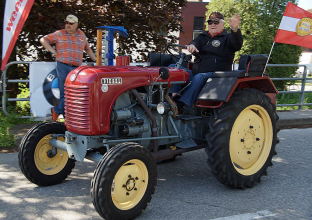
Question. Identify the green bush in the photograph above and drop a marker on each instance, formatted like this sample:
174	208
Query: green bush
23	107
6	122
293	98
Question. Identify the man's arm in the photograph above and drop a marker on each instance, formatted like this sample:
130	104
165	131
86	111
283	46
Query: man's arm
47	46
91	54
236	38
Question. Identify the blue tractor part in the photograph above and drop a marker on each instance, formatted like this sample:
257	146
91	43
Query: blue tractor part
111	30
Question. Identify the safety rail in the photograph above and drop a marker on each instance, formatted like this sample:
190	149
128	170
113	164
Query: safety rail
303	80
4	81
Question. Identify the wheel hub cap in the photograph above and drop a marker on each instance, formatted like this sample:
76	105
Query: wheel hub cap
251	140
129	184
46	162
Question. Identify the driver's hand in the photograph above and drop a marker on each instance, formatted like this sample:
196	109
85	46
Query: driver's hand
191	48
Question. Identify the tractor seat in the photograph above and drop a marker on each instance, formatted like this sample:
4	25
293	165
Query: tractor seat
249	65
220	85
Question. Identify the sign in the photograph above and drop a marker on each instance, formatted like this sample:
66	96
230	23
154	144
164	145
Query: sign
15	15
42	85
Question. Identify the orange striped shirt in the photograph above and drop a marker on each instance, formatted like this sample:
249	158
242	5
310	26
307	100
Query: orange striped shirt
69	47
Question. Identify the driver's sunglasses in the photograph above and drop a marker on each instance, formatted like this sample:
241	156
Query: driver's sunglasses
210	22
66	22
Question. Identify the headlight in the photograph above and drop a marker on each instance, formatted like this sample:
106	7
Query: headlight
161	108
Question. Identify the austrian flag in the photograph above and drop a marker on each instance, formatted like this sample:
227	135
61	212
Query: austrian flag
295	27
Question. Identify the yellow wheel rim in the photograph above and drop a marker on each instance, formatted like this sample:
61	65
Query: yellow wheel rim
53	164
129	184
251	140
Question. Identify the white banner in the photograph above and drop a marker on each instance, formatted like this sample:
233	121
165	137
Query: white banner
43	86
15	15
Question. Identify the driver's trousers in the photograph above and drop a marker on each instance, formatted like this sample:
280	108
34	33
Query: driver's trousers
192	91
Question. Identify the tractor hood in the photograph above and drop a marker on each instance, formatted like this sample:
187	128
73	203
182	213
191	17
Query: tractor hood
90	93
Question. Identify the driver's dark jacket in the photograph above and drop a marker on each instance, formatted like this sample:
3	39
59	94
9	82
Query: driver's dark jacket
216	53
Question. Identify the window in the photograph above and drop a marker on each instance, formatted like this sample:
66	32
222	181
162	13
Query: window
198	23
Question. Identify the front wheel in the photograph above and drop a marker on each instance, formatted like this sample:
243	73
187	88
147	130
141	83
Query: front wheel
242	139
123	182
39	162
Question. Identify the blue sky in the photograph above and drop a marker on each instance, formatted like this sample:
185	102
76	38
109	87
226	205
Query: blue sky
305	4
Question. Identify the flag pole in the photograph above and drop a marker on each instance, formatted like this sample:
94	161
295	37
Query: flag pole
268	58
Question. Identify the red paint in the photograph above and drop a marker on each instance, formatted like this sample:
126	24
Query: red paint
93	118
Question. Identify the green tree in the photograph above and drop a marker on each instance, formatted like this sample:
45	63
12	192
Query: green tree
260	21
147	22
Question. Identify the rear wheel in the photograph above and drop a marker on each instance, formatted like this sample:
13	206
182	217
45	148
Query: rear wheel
40	163
123	182
242	139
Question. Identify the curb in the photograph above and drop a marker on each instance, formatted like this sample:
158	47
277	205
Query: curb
295	119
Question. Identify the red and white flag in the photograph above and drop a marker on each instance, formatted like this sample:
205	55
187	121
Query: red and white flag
15	15
295	27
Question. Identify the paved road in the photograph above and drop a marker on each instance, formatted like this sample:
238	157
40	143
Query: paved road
186	189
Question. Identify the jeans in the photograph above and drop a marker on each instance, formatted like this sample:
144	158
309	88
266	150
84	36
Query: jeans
62	71
175	88
192	91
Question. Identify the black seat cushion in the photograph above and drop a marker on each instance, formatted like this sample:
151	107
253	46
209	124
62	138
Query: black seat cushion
162	59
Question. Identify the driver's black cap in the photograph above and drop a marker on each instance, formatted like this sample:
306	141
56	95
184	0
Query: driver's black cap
216	14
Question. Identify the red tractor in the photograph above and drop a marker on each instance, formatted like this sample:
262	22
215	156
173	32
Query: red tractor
124	118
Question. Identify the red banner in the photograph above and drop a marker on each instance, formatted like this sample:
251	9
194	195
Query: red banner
15	15
295	27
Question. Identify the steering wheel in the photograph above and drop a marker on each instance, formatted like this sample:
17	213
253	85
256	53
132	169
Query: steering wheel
182	57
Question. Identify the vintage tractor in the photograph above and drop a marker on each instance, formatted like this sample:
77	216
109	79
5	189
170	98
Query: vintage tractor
124	118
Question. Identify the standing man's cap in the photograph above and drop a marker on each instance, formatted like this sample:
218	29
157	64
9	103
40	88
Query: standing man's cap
71	19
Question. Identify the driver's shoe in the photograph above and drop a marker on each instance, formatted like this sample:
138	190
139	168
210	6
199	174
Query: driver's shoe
187	110
184	109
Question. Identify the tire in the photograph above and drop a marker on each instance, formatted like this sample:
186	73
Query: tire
34	162
242	138
123	182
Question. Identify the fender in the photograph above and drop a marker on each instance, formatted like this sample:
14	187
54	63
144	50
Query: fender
220	90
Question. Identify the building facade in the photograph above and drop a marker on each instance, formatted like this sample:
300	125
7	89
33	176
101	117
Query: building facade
193	14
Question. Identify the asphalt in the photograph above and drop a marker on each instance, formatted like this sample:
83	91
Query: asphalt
295	119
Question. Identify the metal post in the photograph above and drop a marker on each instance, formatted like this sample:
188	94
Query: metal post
99	47
106	45
268	58
303	82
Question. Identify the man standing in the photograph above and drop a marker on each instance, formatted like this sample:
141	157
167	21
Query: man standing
70	43
216	49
